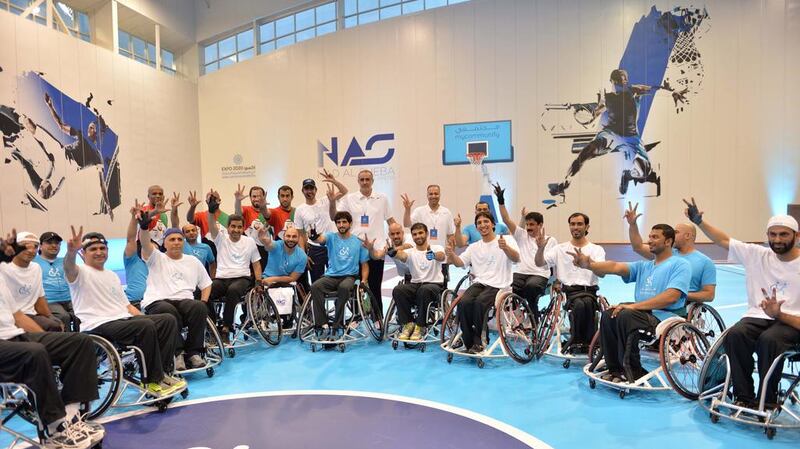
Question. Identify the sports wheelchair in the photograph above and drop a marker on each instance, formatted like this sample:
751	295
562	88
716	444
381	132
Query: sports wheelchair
716	392
681	349
510	316
273	314
121	370
212	353
434	313
360	320
17	400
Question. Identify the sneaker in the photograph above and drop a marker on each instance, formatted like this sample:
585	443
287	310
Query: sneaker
226	337
408	328
68	436
173	382
475	349
94	430
196	361
154	389
180	364
419	332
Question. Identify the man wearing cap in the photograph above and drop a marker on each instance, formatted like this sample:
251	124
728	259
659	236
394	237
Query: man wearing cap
24	281
194	247
771	323
171	284
314	213
104	310
55	285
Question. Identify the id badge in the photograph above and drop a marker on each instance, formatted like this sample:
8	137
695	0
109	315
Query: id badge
434	234
365	221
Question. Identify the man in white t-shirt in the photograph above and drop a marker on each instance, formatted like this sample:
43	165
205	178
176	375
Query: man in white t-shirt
104	310
237	254
771	323
24	281
436	217
370	210
314	213
171	283
579	285
424	263
530	280
491	260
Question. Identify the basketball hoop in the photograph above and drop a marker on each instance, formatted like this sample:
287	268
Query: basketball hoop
475	160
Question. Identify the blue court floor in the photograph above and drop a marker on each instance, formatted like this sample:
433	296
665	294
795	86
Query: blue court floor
552	404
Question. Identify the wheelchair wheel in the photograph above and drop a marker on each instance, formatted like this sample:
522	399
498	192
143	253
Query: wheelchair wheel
516	328
390	325
266	319
371	315
707	319
305	321
546	327
682	350
214	349
463	282
450	323
109	377
594	349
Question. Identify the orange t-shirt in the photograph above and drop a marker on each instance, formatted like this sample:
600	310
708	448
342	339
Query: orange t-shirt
278	218
201	221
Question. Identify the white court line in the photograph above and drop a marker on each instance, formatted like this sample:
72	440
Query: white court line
508	429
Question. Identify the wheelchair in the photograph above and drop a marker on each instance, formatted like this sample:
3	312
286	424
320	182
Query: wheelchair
17	400
673	354
244	332
434	313
359	318
510	316
120	374
270	312
213	352
717	399
705	318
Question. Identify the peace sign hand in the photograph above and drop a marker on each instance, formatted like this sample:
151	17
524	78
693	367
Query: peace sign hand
330	193
631	214
74	242
770	305
390	248
175	201
193	201
692	212
327	176
239	194
579	259
264	237
541	239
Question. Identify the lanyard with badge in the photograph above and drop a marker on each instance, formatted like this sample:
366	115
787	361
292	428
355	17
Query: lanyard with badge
364	215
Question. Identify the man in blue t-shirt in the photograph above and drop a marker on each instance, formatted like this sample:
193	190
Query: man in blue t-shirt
135	269
661	287
194	247
346	255
470	233
56	289
285	264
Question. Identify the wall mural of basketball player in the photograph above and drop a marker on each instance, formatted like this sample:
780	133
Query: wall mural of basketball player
662	47
51	136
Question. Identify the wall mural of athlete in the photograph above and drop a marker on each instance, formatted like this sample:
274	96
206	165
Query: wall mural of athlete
51	136
662	46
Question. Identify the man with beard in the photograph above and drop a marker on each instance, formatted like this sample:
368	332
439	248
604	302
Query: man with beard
399	240
437	218
661	287
424	262
254	215
490	259
348	255
286	264
773	283
194	247
278	217
578	285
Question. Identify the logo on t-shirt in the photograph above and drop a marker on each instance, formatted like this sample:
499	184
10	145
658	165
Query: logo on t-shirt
236	257
344	252
177	276
54	272
25	290
780	289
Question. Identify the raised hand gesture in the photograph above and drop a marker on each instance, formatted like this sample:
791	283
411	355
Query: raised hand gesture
407	202
193	201
541	239
501	242
312	233
579	259
136	209
330	192
367	243
327	176
499	192
457	220
449	250
390	248
264	237
175	201
630	215
524	212
239	194
693	212
211	200
74	242
7	244
770	305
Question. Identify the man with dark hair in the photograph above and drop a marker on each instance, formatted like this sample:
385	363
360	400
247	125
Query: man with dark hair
236	256
490	259
278	217
771	323
530	280
255	215
348	255
200	219
54	282
24	280
470	233
578	285
424	263
661	288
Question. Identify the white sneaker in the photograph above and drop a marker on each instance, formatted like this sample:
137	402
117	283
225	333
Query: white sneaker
68	436
94	430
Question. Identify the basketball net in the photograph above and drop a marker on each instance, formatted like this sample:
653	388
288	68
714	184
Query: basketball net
476	162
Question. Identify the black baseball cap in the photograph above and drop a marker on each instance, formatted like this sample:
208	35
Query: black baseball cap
309	183
48	236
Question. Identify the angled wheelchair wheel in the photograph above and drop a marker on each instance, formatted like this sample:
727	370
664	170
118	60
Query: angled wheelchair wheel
305	321
391	327
109	378
516	328
214	349
264	314
682	350
546	327
450	323
463	283
595	351
372	316
707	319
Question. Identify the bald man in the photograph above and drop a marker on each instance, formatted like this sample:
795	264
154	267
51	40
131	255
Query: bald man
160	223
704	274
400	240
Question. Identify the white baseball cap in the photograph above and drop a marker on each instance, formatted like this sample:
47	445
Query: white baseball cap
27	237
783	220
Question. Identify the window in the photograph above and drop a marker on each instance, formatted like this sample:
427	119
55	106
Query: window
142	51
77	22
230	50
298	27
361	12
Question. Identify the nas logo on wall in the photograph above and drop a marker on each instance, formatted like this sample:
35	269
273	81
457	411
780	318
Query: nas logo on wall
355	154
